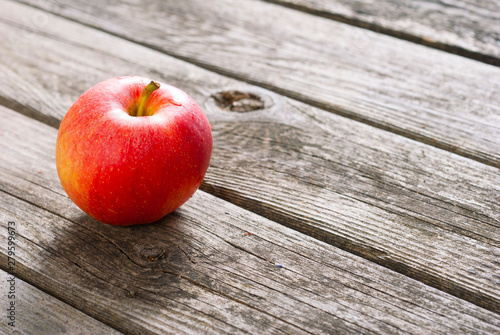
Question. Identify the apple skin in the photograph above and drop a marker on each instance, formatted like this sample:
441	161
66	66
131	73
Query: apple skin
127	170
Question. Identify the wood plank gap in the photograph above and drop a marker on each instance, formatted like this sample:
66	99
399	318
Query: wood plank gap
29	111
24	273
37	312
365	251
453	49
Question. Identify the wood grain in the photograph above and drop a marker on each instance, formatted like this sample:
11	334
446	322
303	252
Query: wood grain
466	27
416	209
209	268
428	95
40	313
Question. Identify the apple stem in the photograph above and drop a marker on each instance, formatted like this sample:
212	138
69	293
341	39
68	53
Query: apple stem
143	99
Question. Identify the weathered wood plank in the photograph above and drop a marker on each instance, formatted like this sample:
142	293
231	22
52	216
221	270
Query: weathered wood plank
466	27
209	268
36	312
434	97
421	211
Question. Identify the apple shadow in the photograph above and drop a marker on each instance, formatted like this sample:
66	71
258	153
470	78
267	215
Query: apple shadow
144	262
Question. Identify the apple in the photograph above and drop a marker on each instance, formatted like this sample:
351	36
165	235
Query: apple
130	150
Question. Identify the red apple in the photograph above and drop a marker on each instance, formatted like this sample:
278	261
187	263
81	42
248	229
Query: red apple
130	150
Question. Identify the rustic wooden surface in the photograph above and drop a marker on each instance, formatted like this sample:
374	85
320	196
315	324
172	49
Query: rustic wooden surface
211	267
434	97
418	225
465	27
367	195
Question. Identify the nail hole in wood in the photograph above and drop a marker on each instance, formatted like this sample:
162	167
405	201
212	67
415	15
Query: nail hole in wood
237	101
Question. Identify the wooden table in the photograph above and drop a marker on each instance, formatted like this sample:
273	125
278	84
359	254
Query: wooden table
354	185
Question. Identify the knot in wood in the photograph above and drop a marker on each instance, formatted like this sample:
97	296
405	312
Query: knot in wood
152	254
237	101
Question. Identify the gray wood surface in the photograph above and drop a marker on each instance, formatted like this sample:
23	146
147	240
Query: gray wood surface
425	94
37	312
416	209
466	27
209	268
